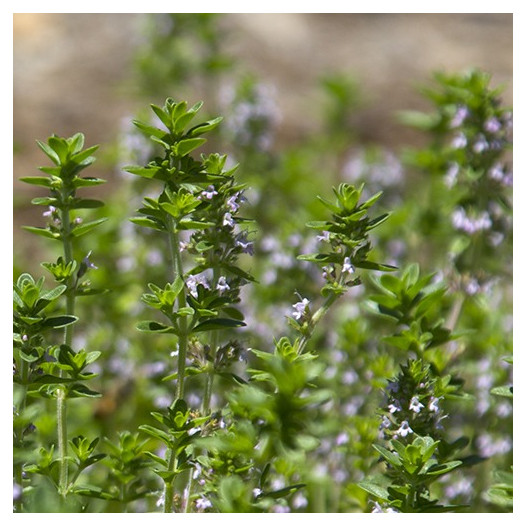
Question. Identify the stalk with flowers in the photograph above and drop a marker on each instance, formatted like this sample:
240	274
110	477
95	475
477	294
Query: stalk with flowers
229	414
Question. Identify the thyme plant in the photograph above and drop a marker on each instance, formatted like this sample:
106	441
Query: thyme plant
331	382
59	371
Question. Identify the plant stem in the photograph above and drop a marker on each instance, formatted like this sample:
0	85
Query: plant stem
62	429
214	342
169	486
177	271
316	317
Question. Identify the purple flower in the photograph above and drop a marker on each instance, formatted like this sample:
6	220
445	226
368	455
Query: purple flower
481	144
415	405
228	220
324	236
394	407
492	125
208	193
222	285
404	429
347	267
233	202
202	503
247	247
300	309
459	141
459	117
49	212
433	404
451	175
193	281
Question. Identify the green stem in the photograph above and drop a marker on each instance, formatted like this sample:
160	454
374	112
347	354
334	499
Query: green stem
62	429
177	271
316	318
214	342
169	486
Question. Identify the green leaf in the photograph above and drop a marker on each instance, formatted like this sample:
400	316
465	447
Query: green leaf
44	232
371	265
282	492
82	391
49	379
217	323
150	130
157	433
181	122
391	457
440	469
149	172
148	223
374	489
38	181
54	293
503	391
83	228
59	321
204	127
87	181
188	224
186	146
93	491
163	117
49	152
154	326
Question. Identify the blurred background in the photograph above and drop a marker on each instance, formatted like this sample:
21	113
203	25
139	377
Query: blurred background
86	72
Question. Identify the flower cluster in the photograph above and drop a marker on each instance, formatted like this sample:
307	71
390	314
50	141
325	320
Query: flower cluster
413	402
254	114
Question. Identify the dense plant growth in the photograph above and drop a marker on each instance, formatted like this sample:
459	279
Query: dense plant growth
228	358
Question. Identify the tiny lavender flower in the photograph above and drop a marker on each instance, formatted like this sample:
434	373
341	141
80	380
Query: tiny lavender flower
202	503
300	308
347	267
208	193
451	175
480	144
193	281
459	141
87	262
222	285
492	125
459	117
49	212
404	429
415	405
433	404
247	247
228	220
234	201
394	407
470	225
324	236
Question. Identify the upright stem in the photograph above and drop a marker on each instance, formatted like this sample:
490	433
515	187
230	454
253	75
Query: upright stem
316	317
19	437
62	429
214	342
177	271
169	487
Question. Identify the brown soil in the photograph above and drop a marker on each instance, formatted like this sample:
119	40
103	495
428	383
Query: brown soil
70	69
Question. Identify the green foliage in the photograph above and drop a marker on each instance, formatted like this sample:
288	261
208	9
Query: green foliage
376	391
